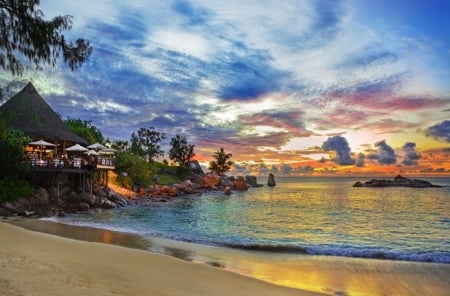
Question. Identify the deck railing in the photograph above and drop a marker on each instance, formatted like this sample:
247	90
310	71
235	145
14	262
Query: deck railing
75	163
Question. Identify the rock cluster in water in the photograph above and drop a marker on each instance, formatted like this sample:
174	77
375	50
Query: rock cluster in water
398	181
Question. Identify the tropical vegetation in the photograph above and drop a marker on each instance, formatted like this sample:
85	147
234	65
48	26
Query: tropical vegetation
222	162
13	168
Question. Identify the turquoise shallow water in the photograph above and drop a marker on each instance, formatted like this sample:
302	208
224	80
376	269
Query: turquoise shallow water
317	216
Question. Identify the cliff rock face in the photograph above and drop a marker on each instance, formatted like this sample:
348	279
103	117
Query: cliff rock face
271	180
398	181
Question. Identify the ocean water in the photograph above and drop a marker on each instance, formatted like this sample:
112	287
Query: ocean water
301	215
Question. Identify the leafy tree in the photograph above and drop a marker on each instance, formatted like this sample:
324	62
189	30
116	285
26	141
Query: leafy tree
12	165
25	34
181	152
84	129
13	168
120	145
222	162
133	170
146	143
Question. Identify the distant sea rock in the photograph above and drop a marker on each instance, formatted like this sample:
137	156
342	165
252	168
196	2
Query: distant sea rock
271	180
252	181
398	181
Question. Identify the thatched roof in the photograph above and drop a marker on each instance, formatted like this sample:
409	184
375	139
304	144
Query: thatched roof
29	112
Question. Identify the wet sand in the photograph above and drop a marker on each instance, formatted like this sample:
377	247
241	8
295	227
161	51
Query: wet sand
327	275
33	263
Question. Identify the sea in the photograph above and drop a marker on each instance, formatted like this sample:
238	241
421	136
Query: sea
299	216
316	234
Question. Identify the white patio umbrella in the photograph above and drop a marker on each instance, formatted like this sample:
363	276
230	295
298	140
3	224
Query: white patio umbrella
91	152
41	143
108	151
77	148
96	146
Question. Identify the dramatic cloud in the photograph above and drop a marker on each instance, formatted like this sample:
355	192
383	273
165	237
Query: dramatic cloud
411	155
385	153
266	80
286	169
360	160
274	169
263	169
304	169
340	146
440	131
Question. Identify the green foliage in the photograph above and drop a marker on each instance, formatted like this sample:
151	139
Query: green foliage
11	190
164	179
146	143
164	174
84	129
119	145
12	164
133	171
25	35
222	162
181	152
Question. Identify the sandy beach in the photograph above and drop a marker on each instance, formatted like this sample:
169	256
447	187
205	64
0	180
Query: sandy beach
33	263
40	257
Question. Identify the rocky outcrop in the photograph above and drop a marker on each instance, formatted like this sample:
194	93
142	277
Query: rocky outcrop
51	202
240	184
208	181
252	181
271	180
398	181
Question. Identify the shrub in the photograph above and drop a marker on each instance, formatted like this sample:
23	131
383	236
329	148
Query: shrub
137	171
12	165
11	190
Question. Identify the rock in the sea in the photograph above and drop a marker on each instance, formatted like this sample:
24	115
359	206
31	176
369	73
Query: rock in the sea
251	180
240	184
271	180
107	204
227	190
208	180
398	181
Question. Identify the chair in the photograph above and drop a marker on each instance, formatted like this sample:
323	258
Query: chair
77	163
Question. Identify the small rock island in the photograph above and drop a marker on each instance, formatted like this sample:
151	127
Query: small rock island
398	181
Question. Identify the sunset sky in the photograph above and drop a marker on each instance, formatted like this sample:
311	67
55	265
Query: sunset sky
325	86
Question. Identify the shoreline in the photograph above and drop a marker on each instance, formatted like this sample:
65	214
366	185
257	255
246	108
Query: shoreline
323	274
34	263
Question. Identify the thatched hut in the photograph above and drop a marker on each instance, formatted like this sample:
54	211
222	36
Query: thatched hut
29	112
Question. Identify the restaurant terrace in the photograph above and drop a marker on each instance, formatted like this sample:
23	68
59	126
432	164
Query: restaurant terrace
54	148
